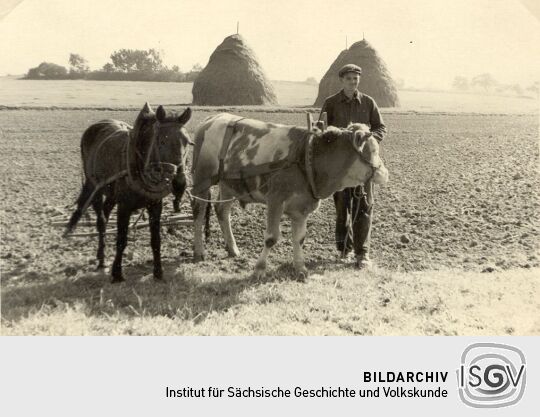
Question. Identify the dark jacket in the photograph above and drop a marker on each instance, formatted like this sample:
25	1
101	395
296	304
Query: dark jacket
342	111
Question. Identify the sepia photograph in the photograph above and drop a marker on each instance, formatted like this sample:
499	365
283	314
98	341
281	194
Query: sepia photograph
277	168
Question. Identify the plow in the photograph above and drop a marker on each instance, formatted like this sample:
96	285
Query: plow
138	221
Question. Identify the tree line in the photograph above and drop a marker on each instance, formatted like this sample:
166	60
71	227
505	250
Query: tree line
125	65
487	83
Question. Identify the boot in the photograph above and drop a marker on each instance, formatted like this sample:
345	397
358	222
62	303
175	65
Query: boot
363	261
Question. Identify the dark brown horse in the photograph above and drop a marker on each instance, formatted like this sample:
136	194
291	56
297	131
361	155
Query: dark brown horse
132	167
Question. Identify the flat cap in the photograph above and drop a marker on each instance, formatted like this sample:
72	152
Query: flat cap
350	68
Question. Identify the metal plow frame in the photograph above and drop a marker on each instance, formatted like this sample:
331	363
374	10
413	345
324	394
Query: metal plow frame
167	219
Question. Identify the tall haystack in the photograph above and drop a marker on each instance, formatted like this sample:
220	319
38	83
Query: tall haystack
375	82
233	77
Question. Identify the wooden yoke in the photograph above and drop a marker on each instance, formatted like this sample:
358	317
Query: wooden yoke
322	123
309	121
308	155
319	124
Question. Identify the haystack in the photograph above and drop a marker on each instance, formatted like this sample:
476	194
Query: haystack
376	80
233	77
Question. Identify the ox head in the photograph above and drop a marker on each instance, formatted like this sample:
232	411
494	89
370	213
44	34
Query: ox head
368	148
357	140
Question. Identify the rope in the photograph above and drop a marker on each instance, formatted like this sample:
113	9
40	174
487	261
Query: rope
137	221
271	175
193	197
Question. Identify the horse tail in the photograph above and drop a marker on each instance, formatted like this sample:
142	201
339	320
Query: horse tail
86	192
83	173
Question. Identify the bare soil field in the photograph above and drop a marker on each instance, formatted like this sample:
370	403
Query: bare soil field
455	241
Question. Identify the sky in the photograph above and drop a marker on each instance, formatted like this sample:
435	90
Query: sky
426	43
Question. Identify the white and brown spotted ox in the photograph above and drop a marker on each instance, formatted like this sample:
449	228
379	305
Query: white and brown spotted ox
285	167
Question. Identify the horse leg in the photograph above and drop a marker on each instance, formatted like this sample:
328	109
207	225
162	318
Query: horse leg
84	195
122	226
102	215
299	226
272	234
179	187
97	204
223	211
154	212
199	211
107	207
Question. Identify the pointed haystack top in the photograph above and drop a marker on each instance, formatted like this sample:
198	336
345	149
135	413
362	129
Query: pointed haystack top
233	77
376	80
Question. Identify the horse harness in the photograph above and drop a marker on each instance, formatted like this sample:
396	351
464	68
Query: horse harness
150	187
150	181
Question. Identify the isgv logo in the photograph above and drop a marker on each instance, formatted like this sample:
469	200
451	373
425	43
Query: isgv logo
491	375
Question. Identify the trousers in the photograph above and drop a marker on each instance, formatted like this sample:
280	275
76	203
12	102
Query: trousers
354	212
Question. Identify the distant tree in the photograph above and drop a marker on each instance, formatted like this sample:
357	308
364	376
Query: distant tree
534	88
47	70
485	81
108	67
78	64
175	68
311	80
460	83
153	61
516	88
193	74
503	88
129	60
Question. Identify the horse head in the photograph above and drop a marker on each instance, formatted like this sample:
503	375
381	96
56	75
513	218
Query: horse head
161	141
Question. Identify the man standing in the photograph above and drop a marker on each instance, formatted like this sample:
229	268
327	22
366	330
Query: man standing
354	206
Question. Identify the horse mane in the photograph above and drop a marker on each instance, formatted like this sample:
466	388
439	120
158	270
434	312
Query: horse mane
142	124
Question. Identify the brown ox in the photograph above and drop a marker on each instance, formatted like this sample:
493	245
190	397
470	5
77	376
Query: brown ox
285	167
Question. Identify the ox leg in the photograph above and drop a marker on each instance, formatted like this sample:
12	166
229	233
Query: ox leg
223	212
271	236
122	225
199	210
154	212
299	226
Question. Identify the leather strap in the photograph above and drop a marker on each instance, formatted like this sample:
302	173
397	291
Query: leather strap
229	132
309	167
